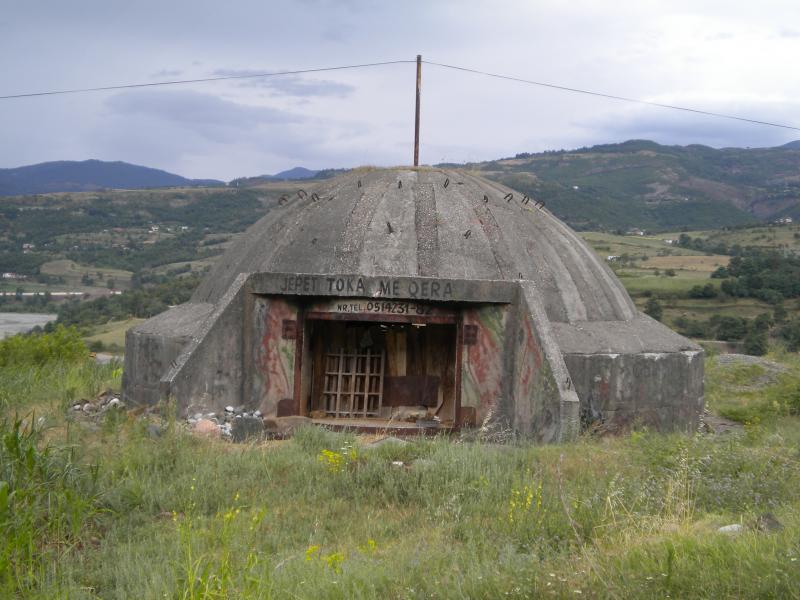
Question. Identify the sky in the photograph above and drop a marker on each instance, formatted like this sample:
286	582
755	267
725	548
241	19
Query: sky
725	56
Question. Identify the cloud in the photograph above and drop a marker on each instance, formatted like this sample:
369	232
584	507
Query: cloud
673	127
166	73
288	85
194	133
206	115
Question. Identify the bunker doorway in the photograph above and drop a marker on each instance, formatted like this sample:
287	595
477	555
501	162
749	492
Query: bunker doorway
399	373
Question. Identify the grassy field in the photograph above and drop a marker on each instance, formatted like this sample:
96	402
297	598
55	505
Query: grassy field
73	273
787	236
652	257
119	506
609	244
112	335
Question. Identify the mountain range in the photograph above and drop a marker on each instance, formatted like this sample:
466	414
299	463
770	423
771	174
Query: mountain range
637	183
87	176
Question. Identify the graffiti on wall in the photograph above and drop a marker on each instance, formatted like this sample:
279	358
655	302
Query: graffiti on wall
482	363
275	355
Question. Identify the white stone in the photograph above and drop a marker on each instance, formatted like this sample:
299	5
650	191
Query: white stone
734	529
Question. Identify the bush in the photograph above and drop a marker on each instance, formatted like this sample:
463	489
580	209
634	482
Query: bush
729	328
61	344
791	334
703	291
756	343
654	309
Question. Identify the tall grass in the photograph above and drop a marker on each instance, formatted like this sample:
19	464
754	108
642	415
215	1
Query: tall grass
47	498
207	520
114	511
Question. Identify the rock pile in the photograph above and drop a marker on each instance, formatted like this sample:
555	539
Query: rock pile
235	423
239	425
104	402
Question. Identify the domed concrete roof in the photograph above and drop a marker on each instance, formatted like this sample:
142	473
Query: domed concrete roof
426	223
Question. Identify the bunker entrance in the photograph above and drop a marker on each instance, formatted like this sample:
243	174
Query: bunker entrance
403	373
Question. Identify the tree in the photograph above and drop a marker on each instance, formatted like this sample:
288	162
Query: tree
654	309
703	291
791	333
779	313
763	322
756	342
730	328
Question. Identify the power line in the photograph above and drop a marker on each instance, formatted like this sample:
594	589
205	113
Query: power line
203	80
397	62
611	96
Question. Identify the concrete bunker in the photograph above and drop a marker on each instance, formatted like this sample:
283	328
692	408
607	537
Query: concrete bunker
444	302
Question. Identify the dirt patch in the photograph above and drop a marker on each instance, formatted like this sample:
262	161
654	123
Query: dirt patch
718	425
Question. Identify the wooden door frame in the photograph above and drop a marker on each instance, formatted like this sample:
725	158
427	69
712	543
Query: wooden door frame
302	316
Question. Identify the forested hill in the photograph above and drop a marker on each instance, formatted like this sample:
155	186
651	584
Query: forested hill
88	175
649	186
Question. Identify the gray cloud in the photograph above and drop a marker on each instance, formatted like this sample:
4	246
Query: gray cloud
162	73
739	54
670	127
205	114
288	85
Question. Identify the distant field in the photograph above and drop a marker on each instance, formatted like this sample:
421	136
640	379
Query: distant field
112	334
73	274
661	284
766	236
700	263
609	244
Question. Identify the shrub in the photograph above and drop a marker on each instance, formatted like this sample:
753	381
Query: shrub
756	343
703	291
62	344
791	333
654	309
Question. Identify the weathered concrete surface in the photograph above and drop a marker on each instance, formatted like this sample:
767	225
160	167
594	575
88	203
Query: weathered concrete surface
545	406
559	335
272	358
455	234
361	286
634	373
152	347
208	374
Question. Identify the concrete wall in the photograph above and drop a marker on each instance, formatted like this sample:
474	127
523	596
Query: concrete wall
544	404
153	347
147	358
662	390
271	359
209	373
482	365
634	373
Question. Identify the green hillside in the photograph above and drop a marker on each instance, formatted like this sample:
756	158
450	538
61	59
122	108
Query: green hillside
649	186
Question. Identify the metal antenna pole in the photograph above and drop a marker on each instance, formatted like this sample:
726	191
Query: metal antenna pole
416	115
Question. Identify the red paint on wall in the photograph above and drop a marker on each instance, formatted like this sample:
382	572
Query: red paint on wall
276	355
483	360
529	357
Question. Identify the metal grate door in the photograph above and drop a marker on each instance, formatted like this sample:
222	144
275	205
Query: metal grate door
353	383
